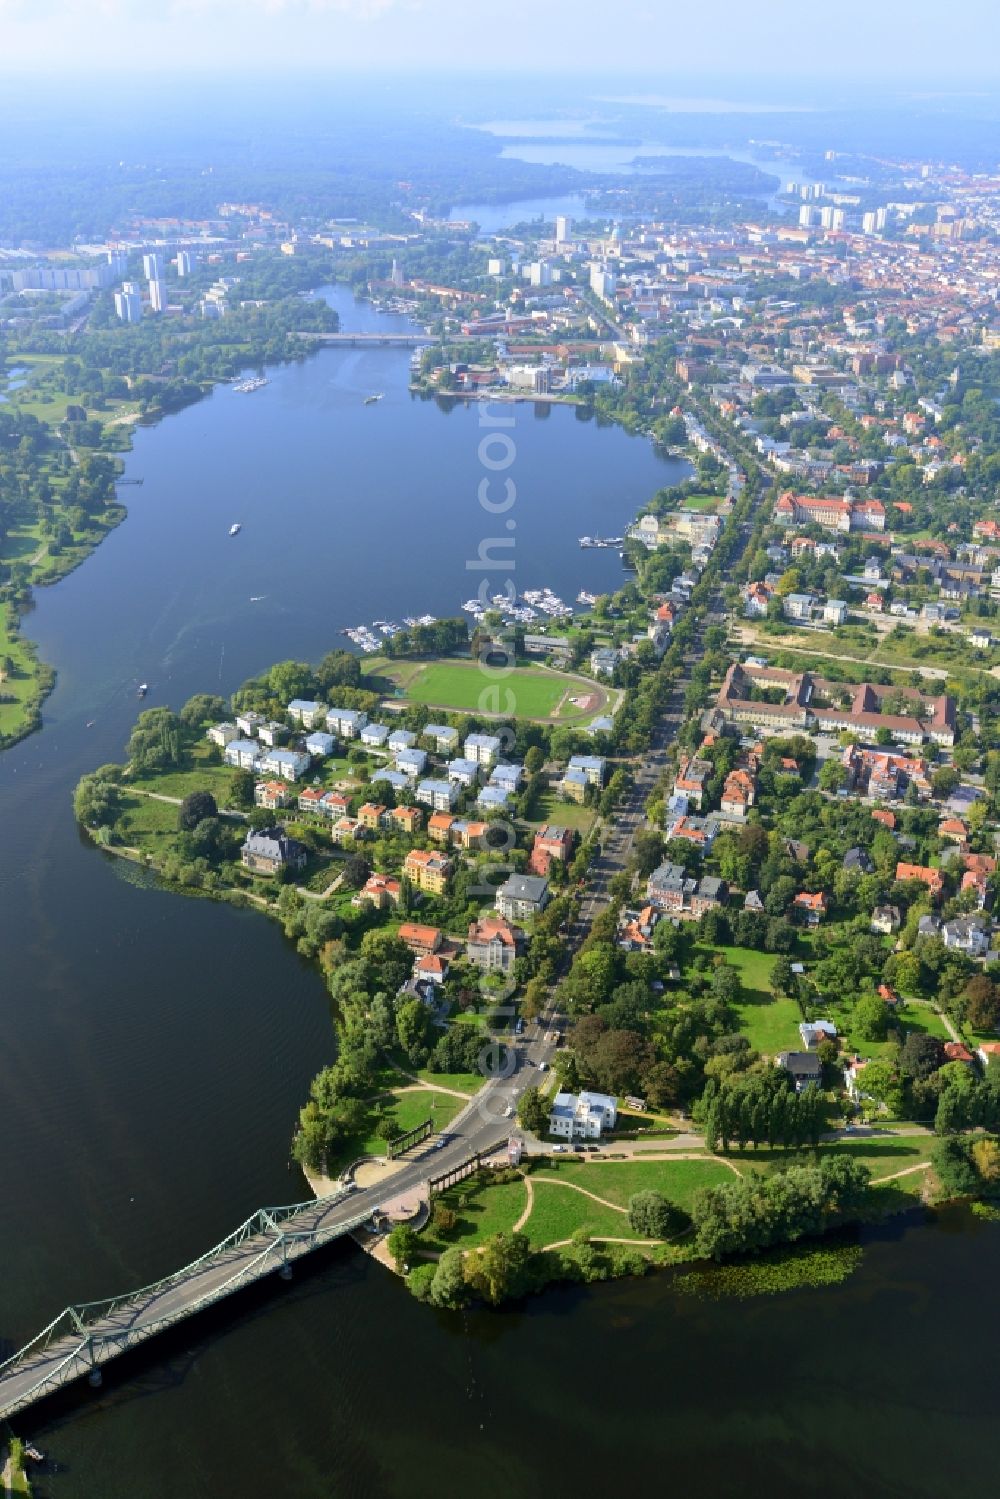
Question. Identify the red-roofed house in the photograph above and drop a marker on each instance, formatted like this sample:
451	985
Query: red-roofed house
420	939
551	843
932	878
271	794
812	907
492	944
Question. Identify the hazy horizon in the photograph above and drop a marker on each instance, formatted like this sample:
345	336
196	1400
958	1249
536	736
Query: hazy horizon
900	42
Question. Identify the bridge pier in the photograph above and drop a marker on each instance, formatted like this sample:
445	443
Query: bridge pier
95	1378
286	1271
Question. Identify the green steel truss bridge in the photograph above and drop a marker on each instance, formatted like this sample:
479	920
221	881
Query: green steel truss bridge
83	1338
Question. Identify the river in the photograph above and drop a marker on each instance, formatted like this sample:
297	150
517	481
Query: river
155	1048
565	142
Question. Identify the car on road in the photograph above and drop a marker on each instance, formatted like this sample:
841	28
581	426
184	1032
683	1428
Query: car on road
560	1149
543	1066
579	1149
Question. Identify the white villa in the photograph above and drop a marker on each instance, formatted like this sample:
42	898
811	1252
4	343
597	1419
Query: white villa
582	1116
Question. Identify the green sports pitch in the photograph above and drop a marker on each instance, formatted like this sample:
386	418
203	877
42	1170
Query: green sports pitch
466	687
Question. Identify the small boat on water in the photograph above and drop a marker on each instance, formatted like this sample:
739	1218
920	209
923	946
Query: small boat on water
236	528
370	400
143	688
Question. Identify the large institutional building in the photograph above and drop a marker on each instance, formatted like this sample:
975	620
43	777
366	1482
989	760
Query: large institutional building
740	702
834	514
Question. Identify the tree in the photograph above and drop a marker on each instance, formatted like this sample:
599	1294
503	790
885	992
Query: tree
155	742
921	1054
449	1287
204	707
726	985
413	1025
402	1243
241	788
985	1153
534	759
782	977
356	871
497	1270
195	807
870	1018
533	1112
97	798
953	1167
982	1003
653	1216
832	776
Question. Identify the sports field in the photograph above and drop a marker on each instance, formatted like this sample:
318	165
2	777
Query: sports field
525	692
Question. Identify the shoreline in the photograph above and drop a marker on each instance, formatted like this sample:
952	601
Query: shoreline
42	675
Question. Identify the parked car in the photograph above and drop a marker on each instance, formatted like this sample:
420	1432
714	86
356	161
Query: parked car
559	1149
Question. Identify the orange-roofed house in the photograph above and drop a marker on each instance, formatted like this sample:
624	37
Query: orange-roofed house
271	794
469	834
431	966
812	907
551	844
635	934
382	890
887	819
953	828
956	1052
439	826
408	819
932	878
372	816
427	869
738	793
493	944
420	939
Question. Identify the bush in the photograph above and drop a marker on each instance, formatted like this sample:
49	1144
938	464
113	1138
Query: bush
443	1219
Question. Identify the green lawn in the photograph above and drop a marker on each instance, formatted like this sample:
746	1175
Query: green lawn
558	1212
911	1017
482	1209
554	809
465	1082
883	1156
464	686
409	1109
771	1024
702	501
618	1180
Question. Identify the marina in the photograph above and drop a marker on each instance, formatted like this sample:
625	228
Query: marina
252	383
601	542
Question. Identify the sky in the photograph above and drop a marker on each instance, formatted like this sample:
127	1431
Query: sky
899	41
